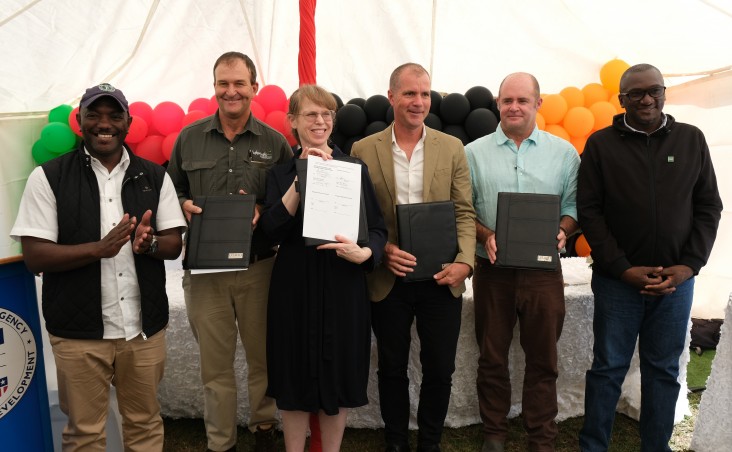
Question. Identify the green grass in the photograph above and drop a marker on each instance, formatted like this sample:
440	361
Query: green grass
698	369
188	435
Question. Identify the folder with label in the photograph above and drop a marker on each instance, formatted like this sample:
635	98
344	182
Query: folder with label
527	225
428	231
221	236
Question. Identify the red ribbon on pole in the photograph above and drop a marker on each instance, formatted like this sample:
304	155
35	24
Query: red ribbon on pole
306	56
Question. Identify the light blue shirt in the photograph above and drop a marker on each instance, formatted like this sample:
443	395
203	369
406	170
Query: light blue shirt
544	164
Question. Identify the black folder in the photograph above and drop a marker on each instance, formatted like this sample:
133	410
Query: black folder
301	165
428	231
221	235
527	225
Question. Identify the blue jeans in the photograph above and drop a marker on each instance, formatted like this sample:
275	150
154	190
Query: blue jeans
622	314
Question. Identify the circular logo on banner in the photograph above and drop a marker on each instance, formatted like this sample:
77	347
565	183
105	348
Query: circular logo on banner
17	359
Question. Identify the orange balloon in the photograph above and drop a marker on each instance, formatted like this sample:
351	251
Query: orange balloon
553	108
573	96
578	121
581	247
594	92
579	144
603	113
540	122
556	129
611	72
616	103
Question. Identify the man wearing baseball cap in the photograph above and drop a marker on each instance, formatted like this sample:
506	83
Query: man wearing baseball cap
98	223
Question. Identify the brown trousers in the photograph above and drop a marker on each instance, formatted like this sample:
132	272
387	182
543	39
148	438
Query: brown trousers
536	299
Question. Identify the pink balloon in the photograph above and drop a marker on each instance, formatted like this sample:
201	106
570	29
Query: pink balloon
193	116
151	149
203	104
73	123
258	110
272	98
138	130
167	145
167	117
278	121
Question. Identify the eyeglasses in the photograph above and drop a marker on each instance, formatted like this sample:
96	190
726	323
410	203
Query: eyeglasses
637	94
312	116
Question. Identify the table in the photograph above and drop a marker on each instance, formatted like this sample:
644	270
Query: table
181	392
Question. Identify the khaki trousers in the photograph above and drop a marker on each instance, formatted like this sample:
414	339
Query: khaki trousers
220	306
85	369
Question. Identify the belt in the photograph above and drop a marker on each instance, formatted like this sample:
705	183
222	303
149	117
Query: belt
266	254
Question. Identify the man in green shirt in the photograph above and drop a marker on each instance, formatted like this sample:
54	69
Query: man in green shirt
229	153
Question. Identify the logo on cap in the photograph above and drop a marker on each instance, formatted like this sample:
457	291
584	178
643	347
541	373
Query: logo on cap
107	88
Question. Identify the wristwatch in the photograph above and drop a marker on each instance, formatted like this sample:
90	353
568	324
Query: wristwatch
153	245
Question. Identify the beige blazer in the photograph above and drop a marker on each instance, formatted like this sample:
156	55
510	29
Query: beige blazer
446	177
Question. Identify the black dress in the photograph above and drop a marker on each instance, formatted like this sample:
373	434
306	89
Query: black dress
318	316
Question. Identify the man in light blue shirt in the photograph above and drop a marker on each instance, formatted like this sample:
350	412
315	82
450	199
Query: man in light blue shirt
518	157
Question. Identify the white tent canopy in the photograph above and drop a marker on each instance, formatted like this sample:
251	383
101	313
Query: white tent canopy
164	50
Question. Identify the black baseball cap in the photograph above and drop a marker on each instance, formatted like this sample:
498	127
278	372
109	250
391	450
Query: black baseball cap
99	91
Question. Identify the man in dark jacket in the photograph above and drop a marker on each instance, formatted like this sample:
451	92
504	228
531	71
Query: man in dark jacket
649	207
98	223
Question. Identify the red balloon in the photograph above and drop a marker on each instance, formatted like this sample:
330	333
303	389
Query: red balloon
258	110
272	98
138	130
278	121
168	143
73	123
193	116
214	104
167	117
142	110
151	149
202	104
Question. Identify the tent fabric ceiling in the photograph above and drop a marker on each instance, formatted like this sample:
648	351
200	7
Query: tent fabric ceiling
159	50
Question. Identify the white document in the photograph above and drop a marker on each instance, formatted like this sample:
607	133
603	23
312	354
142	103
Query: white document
332	199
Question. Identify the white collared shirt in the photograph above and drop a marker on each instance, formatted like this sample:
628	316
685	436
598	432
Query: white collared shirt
37	217
409	173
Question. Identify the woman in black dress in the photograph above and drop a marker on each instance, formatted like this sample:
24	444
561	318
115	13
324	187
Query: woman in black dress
318	321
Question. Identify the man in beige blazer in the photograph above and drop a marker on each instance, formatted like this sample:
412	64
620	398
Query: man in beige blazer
411	163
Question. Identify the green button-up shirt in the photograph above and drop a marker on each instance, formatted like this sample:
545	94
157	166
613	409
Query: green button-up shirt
204	162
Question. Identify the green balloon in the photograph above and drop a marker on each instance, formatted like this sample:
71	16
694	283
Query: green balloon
41	154
60	114
58	137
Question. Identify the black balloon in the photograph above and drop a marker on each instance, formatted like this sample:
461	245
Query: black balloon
479	97
376	107
349	144
480	122
374	127
433	121
457	131
390	115
338	139
351	120
454	108
339	101
436	100
357	101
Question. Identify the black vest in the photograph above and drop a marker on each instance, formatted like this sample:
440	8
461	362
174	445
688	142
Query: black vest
72	300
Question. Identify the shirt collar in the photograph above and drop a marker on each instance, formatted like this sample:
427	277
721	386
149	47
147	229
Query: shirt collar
124	161
420	143
663	124
502	139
